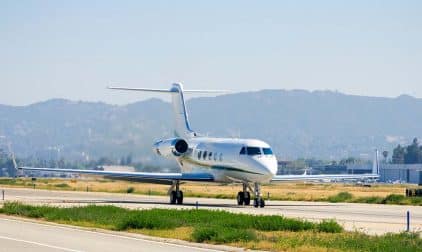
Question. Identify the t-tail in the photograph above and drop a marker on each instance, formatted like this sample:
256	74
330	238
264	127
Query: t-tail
181	118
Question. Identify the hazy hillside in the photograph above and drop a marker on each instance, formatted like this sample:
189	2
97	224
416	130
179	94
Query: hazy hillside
296	123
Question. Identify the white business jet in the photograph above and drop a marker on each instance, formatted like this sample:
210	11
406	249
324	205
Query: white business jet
249	162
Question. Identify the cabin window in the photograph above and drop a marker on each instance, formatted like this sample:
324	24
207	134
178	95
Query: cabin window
243	151
205	155
210	156
252	151
267	151
221	156
199	154
215	156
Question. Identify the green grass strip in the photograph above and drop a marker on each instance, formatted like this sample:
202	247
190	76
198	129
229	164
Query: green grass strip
124	219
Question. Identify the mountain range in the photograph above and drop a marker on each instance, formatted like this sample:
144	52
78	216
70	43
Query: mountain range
296	123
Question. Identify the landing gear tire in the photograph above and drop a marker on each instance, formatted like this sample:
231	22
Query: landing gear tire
173	197
255	203
259	203
247	199
179	198
240	198
262	203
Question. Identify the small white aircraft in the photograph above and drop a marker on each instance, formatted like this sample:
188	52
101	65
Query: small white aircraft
249	162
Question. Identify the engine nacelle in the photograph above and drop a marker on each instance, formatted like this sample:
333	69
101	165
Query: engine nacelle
173	147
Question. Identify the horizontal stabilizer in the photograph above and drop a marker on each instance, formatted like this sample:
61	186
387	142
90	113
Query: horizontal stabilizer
143	89
182	126
168	90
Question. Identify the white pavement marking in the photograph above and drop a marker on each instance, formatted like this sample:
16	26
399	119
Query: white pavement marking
39	244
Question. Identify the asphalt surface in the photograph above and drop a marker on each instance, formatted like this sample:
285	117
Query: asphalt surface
20	235
369	218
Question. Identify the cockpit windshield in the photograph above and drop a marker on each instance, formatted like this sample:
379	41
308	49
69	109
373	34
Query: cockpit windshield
267	151
253	151
243	151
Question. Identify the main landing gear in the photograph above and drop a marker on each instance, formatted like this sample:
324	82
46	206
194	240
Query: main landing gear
244	197
176	195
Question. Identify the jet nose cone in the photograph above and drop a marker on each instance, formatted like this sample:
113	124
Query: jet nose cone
268	166
271	166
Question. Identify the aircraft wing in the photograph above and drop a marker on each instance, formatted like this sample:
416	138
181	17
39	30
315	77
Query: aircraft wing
132	176
303	177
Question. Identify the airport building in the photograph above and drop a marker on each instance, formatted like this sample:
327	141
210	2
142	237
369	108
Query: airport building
389	173
392	173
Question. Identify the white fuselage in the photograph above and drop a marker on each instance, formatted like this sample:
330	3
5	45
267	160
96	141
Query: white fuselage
225	160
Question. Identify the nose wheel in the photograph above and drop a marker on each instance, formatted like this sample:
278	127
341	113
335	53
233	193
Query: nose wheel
258	201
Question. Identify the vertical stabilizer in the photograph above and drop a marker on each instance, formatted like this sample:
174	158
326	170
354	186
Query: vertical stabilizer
182	126
375	164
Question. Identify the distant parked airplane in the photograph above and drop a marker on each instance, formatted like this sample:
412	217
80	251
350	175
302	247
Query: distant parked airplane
249	162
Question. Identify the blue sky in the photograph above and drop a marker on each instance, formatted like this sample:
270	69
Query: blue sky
73	49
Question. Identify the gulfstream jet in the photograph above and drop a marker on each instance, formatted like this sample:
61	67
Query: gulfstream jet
249	162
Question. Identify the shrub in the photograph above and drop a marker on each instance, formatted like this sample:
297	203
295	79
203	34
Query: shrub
370	200
274	223
394	199
62	185
7	181
204	234
329	226
130	190
222	235
340	197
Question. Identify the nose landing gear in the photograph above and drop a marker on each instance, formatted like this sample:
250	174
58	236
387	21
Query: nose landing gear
244	197
258	201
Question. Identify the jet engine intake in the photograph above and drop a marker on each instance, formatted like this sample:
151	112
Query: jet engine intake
171	147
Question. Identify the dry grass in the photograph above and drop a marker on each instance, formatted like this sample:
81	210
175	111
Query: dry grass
180	233
284	191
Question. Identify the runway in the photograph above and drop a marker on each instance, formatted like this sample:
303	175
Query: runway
20	235
370	218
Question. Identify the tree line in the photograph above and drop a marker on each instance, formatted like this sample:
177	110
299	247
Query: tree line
411	154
